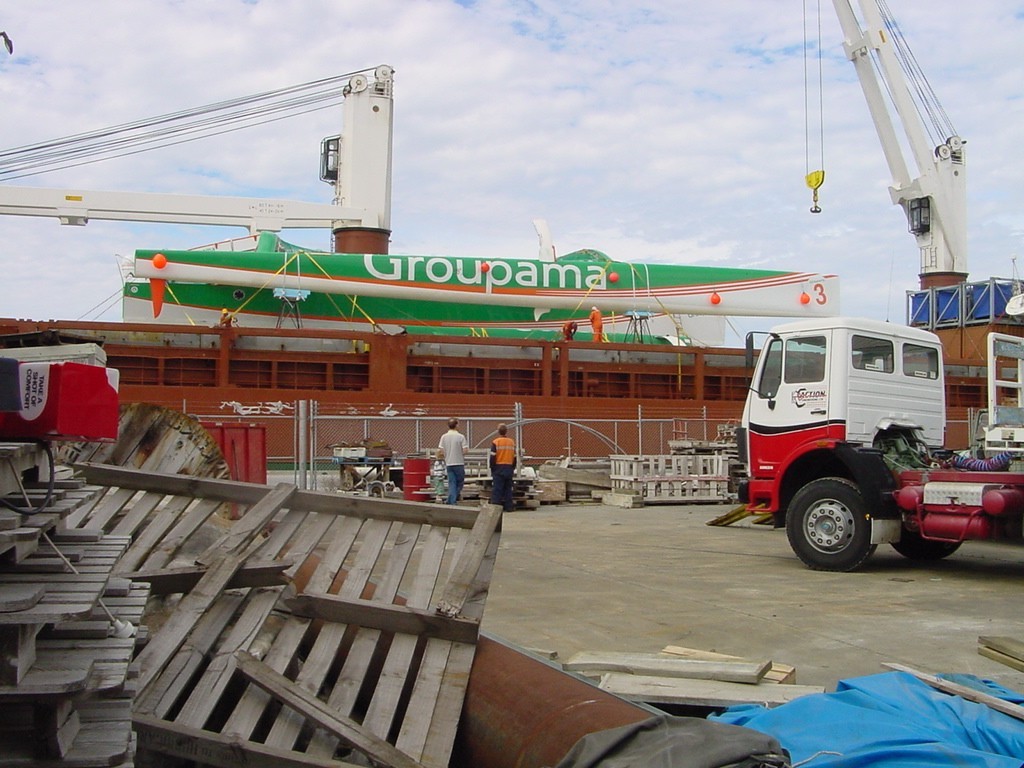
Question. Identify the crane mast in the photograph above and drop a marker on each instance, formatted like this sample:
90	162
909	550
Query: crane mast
935	201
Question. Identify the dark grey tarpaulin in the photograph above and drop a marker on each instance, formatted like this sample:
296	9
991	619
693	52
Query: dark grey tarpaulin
676	742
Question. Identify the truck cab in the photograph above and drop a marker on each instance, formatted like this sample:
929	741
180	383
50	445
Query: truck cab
836	407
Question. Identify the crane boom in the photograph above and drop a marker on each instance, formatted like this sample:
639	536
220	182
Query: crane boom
935	201
362	197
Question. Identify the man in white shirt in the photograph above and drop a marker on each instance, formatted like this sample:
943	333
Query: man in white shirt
452	449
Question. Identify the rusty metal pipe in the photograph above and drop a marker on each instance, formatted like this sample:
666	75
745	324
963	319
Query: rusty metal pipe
520	712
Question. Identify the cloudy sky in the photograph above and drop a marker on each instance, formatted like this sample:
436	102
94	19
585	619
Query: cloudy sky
651	130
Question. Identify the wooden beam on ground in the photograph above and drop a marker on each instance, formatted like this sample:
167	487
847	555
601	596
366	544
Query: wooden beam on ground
964	692
389	618
249	493
1005	650
701	693
741	671
351	733
168	581
778	673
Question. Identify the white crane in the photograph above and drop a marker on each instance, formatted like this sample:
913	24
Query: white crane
935	201
362	183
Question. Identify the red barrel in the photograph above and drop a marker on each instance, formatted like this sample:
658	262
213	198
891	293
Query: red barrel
415	478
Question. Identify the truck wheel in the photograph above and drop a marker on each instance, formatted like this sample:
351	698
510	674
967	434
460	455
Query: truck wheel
828	525
911	545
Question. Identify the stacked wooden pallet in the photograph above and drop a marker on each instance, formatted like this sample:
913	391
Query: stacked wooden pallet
672	478
67	628
690	678
313	627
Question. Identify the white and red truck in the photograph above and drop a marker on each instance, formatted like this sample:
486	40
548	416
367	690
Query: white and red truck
839	437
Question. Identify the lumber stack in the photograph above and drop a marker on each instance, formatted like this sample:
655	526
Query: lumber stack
689	677
577	479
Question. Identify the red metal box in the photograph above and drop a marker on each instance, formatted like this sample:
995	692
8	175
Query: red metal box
64	401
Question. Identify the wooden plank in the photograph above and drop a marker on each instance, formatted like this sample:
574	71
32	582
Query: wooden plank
338	544
237	492
98	628
283	529
223	751
963	691
1002	658
420	717
351	733
468	565
390	618
18	597
434	746
180	623
207	691
77	535
17	651
49	683
254	700
325	649
137	515
156	546
176	678
254	520
749	672
77	516
396	670
152	536
778	673
312	533
166	581
56	727
702	693
1005	645
358	661
112	503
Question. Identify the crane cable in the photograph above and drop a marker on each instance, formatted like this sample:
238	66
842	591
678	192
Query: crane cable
813	178
174	128
937	123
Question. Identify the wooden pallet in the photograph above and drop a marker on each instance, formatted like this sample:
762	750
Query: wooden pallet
67	679
314	626
672	478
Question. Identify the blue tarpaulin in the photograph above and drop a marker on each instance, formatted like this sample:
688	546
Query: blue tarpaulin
888	720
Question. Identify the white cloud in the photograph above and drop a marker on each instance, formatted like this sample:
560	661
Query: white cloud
663	132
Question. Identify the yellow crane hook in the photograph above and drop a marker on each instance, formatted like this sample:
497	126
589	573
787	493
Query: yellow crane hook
814	180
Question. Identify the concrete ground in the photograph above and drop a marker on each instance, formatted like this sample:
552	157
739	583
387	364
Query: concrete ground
578	577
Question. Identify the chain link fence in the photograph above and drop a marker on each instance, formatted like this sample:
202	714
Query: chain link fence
315	447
